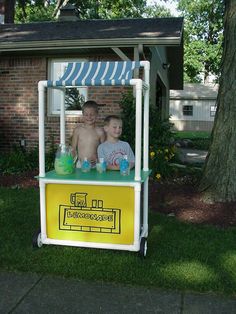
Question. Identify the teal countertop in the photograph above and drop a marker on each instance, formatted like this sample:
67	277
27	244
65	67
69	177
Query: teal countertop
93	175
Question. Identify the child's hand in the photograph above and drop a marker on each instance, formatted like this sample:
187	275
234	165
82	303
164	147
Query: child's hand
93	161
113	167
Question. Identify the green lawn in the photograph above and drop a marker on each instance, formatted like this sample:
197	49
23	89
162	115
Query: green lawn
199	139
180	256
192	134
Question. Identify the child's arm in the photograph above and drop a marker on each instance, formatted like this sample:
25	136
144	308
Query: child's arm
113	167
74	144
131	165
131	157
102	135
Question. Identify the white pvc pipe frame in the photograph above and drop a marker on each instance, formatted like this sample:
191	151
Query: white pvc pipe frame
138	83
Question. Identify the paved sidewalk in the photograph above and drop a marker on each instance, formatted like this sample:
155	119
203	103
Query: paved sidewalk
31	293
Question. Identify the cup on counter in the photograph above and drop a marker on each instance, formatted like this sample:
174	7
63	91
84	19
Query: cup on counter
101	165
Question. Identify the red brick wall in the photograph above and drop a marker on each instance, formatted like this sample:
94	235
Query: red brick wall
18	100
19	78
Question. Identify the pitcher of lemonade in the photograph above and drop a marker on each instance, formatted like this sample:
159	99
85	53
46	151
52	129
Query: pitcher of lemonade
64	162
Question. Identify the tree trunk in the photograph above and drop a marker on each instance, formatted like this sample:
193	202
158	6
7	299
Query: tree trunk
218	182
9	11
59	5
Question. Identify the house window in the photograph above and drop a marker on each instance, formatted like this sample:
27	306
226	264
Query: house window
74	97
212	111
187	110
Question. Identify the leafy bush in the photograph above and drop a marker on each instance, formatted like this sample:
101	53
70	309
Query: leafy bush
201	143
161	138
127	105
50	156
73	99
20	160
162	149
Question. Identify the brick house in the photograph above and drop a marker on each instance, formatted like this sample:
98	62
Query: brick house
40	51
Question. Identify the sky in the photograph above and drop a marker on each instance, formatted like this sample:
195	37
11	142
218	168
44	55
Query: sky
170	5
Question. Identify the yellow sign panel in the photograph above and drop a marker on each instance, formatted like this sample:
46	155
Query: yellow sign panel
102	214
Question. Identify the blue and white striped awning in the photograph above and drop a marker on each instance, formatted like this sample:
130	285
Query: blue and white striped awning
97	74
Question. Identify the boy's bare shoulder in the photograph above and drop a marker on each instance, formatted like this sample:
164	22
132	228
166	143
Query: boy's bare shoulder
78	129
99	129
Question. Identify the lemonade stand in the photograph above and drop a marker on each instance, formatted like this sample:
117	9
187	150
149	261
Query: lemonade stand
97	209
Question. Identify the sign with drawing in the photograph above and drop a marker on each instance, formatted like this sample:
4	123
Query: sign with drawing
94	218
90	213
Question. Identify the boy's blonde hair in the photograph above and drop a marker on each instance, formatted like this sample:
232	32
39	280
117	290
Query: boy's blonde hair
108	119
90	104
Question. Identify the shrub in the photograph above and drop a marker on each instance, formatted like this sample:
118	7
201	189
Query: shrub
127	105
19	160
161	138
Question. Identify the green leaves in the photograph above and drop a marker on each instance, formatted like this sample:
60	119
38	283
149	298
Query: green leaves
203	37
161	137
33	13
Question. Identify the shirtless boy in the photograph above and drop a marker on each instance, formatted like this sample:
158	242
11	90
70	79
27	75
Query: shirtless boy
87	137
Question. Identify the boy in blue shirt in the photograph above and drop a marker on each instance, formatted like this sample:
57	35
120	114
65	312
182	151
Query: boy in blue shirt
113	149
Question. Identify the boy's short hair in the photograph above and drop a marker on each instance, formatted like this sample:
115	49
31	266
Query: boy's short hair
108	119
90	104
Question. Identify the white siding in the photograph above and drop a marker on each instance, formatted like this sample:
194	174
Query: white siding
201	98
201	109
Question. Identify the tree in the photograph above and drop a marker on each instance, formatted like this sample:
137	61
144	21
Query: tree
73	99
24	11
110	9
9	11
156	11
39	10
218	182
34	13
203	38
27	10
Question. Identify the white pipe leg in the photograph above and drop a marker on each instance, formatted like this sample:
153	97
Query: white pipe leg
41	89
137	191
146	118
138	128
145	208
42	210
62	120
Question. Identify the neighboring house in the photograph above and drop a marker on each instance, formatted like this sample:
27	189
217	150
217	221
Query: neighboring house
40	51
193	109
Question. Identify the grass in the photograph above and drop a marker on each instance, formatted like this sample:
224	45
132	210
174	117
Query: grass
181	256
199	139
192	134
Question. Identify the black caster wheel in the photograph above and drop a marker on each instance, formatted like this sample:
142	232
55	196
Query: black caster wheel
143	247
37	241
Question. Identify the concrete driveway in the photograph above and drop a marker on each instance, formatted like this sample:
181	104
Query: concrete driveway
189	155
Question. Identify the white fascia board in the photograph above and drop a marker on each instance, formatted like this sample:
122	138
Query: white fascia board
90	43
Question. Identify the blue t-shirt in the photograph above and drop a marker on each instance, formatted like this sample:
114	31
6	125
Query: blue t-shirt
113	152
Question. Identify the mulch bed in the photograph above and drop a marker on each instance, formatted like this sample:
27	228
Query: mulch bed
179	199
23	180
185	203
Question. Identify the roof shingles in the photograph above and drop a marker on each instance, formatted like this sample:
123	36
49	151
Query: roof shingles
93	29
